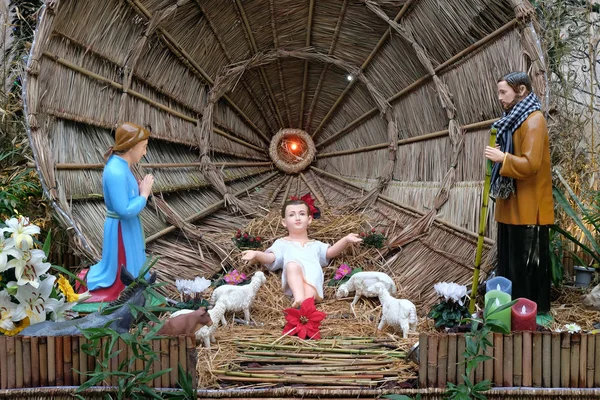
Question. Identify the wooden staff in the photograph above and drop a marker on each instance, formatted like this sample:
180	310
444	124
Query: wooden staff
482	224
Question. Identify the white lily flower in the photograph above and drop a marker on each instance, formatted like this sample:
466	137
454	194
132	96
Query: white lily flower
36	300
573	328
200	284
187	286
21	231
184	286
29	268
9	312
7	248
451	291
60	310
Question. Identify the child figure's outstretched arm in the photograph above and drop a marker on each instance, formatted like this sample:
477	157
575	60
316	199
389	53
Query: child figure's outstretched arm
340	245
260	256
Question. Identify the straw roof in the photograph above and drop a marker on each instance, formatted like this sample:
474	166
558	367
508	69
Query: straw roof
393	98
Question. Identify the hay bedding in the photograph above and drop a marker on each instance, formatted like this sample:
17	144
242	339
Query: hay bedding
258	356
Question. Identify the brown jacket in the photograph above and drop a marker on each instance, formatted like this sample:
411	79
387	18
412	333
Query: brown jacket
532	204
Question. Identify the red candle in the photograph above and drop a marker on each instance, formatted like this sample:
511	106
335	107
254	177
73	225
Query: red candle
523	313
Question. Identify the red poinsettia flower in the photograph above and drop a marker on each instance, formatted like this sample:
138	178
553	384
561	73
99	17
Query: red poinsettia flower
304	322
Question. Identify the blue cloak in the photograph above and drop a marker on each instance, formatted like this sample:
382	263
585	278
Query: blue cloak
123	204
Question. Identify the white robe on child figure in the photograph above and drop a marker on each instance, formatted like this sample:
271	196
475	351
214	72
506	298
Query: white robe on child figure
312	257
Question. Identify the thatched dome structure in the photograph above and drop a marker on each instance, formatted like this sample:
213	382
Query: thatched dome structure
387	105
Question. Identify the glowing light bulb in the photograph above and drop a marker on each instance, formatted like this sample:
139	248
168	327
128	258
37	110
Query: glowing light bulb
294	146
349	77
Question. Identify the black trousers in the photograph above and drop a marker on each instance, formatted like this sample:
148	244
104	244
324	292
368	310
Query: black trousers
524	258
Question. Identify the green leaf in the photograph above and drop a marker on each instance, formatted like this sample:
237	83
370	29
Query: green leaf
46	246
502	307
498	326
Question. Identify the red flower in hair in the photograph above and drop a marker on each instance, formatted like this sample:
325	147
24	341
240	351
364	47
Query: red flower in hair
304	322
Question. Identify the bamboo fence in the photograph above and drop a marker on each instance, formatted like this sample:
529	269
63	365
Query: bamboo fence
520	359
39	362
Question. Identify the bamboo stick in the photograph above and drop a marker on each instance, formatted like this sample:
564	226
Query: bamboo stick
51	361
565	359
518	359
313	190
287	190
536	368
547	360
3	364
479	372
527	359
583	361
157	363
575	346
442	361
192	356
91	361
277	190
488	365
82	361
164	362
391	353
423	351
460	350
416	84
556	363
68	360
19	361
182	357
452	358
35	362
59	360
432	360
26	352
43	360
10	363
597	362
507	374
498	359
76	166
173	358
591	364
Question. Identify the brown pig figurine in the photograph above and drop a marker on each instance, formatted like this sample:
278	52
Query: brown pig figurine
592	299
186	324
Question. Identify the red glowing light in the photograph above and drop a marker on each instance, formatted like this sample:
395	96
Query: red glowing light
294	146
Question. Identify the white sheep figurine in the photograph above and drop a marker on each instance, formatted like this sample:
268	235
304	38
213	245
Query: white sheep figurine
206	334
399	313
361	283
238	298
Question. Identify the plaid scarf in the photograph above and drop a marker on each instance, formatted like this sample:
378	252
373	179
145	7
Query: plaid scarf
503	186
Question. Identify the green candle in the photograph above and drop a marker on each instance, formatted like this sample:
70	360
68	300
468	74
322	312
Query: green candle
499	298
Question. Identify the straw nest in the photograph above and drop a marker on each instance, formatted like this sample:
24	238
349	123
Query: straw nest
397	98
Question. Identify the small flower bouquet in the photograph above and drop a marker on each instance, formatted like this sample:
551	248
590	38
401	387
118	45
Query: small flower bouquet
373	238
452	308
29	294
246	241
190	292
342	274
233	277
305	321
